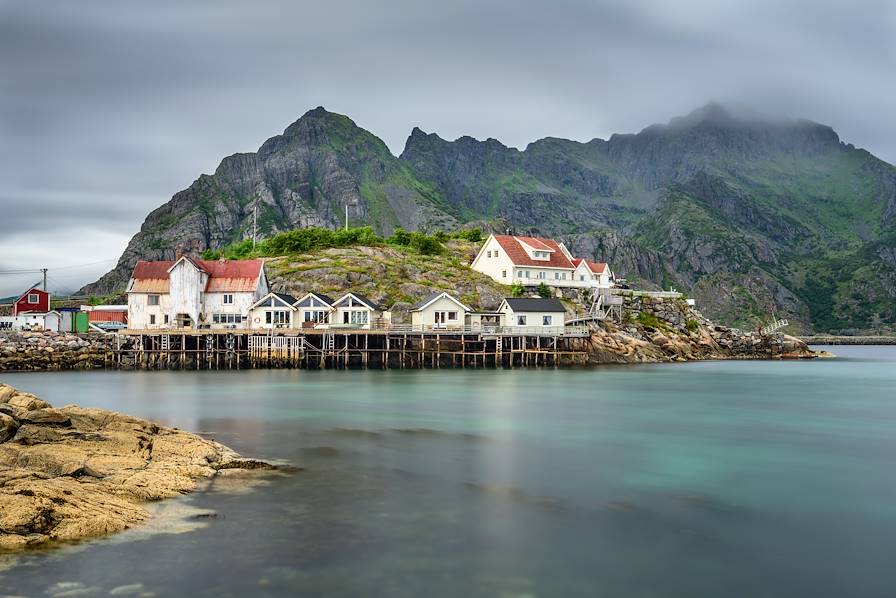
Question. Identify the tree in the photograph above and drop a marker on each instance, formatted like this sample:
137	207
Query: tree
544	290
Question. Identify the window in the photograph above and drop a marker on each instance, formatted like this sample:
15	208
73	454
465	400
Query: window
452	315
496	253
166	318
581	277
318	316
33	298
358	317
226	318
542	275
556	275
488	254
521	320
547	320
152	319
228	299
503	273
152	300
276	317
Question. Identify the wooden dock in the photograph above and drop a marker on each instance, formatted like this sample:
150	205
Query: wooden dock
356	349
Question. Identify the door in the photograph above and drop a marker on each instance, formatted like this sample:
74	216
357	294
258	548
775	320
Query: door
345	317
441	317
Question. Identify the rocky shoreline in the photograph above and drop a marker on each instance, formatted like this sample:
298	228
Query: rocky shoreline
666	329
73	473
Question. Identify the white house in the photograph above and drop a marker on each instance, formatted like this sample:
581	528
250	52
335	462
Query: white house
439	310
274	310
531	261
355	311
533	312
313	309
190	293
597	273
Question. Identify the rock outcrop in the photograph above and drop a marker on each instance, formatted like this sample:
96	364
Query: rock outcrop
73	472
664	329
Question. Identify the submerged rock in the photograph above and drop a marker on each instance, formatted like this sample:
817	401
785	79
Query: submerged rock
73	473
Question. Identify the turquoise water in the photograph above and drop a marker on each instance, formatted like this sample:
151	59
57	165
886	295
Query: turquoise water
700	479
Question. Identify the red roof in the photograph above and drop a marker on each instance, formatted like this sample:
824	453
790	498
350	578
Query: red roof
223	275
595	267
520	257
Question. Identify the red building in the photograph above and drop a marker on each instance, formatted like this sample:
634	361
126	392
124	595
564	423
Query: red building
33	300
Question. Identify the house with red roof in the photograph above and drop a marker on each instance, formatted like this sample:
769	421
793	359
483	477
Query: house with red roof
530	261
192	293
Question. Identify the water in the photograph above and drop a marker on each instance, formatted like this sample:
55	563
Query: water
701	479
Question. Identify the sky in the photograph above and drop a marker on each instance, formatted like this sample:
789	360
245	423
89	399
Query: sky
107	108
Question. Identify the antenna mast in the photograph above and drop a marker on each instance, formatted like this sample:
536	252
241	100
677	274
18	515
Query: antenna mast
254	224
346	216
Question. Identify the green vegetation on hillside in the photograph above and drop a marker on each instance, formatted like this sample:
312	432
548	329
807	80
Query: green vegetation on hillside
303	240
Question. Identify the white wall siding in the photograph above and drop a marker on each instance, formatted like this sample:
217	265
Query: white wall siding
426	316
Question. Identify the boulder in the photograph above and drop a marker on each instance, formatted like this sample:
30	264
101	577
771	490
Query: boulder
46	417
8	427
6	393
27	401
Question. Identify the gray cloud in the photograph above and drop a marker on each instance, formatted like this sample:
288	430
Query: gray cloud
108	108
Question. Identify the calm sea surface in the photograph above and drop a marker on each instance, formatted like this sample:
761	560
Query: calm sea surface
701	479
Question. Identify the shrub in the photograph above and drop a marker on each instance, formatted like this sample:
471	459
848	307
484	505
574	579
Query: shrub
544	290
692	325
517	290
473	235
648	319
419	242
211	254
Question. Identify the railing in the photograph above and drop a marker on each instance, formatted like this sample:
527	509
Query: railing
656	294
393	328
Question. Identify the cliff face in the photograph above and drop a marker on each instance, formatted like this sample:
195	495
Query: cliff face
749	216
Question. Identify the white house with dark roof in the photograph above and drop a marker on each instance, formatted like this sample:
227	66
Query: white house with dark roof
439	311
191	293
313	309
532	312
355	311
274	310
531	261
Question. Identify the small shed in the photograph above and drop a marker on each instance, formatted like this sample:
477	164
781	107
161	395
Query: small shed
274	310
533	312
439	310
314	309
355	311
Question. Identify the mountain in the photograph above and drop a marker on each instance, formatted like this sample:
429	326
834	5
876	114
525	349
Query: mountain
748	215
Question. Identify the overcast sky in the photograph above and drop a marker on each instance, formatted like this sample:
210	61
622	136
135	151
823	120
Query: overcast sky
109	108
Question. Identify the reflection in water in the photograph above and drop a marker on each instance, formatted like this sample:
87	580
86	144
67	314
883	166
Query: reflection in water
705	479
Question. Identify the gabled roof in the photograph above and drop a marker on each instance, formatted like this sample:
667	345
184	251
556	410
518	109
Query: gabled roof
224	276
371	304
534	304
320	296
287	300
422	304
513	247
32	289
595	267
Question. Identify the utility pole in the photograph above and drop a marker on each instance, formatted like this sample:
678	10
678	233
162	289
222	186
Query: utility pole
346	216
44	272
254	224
